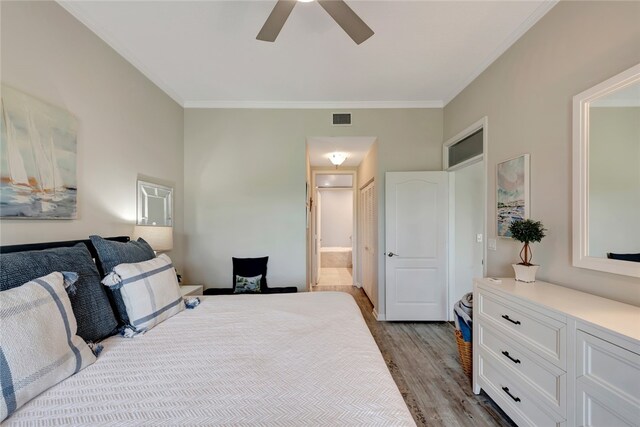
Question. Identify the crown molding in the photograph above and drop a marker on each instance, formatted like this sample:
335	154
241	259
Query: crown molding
535	16
119	48
296	105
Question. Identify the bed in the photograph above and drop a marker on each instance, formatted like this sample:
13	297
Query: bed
283	359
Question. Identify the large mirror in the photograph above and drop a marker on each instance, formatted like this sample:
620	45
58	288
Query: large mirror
606	167
155	204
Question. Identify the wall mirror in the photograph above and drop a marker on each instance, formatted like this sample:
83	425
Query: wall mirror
155	204
606	175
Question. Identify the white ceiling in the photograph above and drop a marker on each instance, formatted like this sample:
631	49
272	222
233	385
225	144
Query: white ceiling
356	148
204	53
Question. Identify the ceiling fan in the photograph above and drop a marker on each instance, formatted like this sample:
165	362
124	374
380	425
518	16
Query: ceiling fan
338	9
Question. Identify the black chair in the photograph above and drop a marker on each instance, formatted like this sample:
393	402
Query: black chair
251	267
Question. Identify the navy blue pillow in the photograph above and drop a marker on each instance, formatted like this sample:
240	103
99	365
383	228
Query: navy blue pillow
624	257
111	254
250	267
90	303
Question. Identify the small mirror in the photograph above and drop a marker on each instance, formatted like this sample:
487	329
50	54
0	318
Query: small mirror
155	204
607	175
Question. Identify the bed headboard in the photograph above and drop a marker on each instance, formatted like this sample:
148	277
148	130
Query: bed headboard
65	244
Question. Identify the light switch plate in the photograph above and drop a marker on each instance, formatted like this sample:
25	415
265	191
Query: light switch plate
491	243
479	238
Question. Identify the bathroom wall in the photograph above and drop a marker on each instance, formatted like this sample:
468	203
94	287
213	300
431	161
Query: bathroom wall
337	218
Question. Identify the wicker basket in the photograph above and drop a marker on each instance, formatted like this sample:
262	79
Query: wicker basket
466	354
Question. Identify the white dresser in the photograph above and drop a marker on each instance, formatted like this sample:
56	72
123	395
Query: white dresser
552	356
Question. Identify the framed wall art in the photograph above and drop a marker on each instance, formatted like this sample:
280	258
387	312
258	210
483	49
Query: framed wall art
38	158
512	197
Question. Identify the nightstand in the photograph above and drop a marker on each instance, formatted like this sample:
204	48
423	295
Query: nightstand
191	290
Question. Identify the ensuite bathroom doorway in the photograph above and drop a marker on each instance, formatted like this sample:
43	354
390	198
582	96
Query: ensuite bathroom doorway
335	229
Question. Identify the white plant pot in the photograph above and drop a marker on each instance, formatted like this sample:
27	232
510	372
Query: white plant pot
525	273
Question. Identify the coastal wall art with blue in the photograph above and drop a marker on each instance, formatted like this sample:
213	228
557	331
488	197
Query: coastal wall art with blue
512	198
38	158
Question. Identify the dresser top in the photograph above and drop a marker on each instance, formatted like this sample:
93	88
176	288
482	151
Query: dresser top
615	316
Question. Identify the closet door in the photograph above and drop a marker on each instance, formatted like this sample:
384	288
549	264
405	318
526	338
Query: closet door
364	258
373	224
369	239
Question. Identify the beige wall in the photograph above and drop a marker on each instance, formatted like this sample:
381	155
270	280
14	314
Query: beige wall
527	95
127	126
245	174
368	167
337	218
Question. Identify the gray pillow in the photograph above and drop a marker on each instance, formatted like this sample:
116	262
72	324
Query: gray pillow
90	303
111	254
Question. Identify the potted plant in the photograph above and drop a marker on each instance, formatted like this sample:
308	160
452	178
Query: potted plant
526	231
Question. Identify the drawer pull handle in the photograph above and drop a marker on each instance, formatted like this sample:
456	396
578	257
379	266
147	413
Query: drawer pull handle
506	317
506	390
506	353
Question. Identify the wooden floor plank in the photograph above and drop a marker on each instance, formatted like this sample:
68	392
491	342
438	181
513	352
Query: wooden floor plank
423	360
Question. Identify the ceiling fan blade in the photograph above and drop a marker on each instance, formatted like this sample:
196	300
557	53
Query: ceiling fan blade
276	20
347	19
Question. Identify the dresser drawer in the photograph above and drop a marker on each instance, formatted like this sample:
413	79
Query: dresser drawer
546	380
542	334
595	408
512	396
608	380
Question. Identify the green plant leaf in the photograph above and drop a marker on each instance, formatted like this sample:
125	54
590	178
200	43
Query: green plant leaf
527	231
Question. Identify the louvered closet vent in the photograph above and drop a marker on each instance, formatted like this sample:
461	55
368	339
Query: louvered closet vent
341	119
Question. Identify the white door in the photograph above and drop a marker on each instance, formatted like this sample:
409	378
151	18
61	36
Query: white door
362	238
318	238
416	207
368	239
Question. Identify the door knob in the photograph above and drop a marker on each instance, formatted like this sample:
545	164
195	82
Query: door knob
391	254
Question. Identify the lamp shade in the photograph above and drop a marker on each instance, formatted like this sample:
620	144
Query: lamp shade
159	238
337	158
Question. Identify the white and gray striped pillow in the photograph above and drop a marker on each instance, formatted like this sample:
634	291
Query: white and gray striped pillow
38	344
150	292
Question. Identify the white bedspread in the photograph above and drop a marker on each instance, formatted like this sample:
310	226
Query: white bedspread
288	359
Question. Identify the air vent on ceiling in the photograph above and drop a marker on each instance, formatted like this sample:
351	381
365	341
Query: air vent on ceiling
341	119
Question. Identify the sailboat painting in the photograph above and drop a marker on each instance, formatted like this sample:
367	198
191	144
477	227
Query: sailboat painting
37	158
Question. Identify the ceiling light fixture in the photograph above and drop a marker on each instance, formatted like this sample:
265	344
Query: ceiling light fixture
337	158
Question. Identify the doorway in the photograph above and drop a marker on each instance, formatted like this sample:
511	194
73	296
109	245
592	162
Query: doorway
468	227
465	158
336	254
334	227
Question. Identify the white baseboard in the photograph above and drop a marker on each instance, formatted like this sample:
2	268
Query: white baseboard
376	315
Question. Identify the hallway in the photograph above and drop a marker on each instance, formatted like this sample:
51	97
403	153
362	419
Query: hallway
335	277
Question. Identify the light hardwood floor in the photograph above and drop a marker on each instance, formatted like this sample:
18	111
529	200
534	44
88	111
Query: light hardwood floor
423	360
